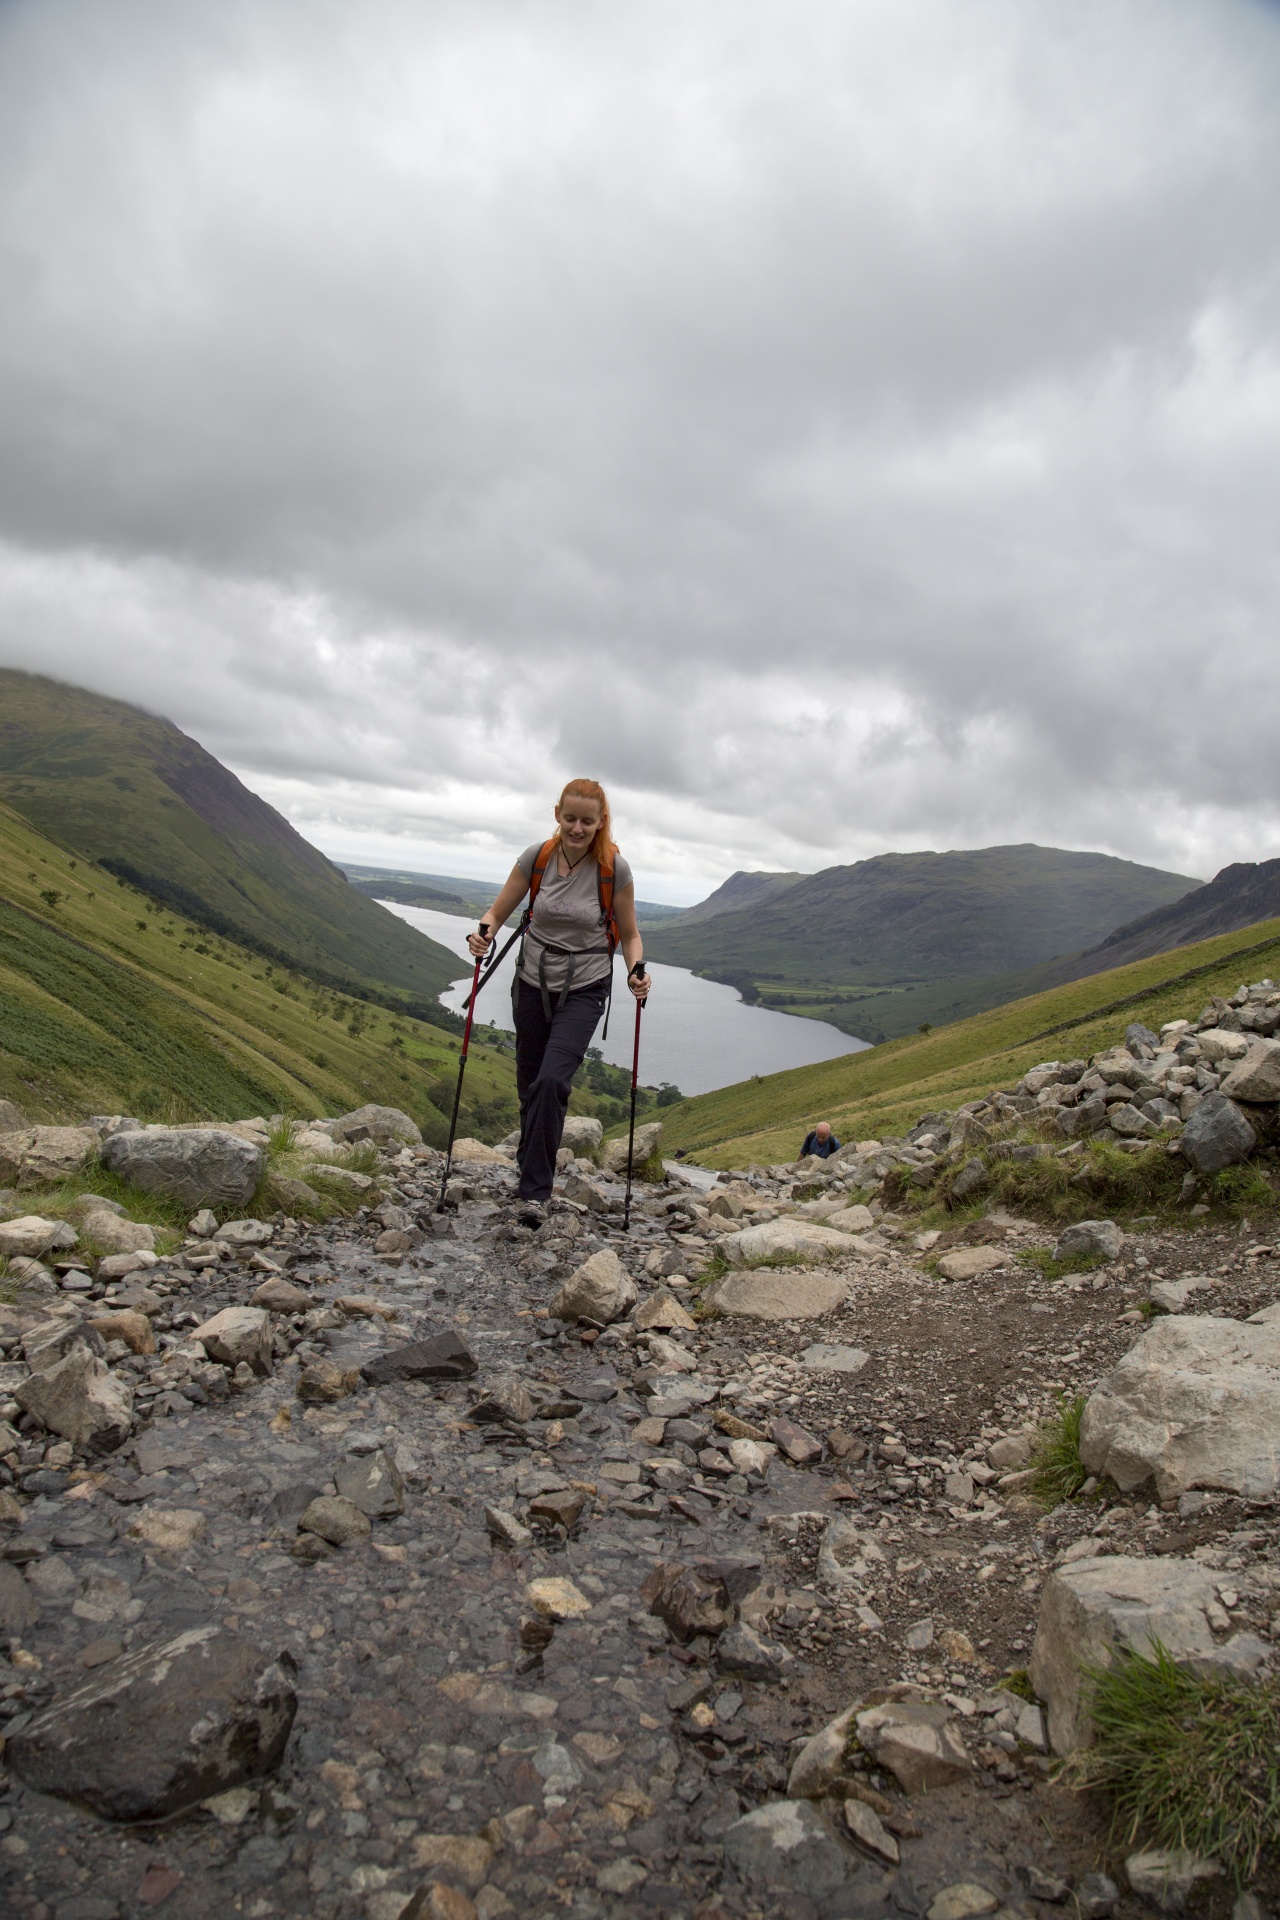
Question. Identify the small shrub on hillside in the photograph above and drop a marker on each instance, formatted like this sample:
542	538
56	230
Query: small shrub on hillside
1245	1188
1059	1471
1042	1260
1187	1762
281	1137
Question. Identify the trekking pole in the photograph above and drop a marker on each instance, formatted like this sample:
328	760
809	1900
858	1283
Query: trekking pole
462	1067
638	971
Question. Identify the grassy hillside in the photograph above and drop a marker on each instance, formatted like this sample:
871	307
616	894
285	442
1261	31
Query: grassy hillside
869	1095
117	786
107	1006
881	947
741	892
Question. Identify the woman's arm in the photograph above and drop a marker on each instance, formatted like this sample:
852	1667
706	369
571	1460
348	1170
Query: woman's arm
500	912
624	912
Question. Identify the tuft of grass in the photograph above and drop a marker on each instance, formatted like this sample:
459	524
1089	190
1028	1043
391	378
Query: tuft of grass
1241	1189
281	1136
10	1287
1017	1681
1189	1762
1059	1471
1042	1260
151	1209
361	1158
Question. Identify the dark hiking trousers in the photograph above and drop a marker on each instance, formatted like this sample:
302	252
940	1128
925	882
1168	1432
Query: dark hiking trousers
548	1054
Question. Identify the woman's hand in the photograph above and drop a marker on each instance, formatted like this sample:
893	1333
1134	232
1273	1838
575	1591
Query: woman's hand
639	982
480	941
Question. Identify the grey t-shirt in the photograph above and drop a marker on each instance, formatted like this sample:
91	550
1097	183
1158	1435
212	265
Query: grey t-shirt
566	914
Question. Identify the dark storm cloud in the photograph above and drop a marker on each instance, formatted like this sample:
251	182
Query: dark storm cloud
842	426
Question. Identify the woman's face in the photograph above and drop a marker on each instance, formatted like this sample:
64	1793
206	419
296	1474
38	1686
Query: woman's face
578	821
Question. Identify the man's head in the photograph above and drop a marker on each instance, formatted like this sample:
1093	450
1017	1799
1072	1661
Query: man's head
823	1129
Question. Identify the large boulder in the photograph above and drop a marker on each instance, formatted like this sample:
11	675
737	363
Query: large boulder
386	1126
1090	1240
200	1166
238	1334
771	1238
1216	1134
582	1133
12	1118
777	1293
967	1263
1257	1077
41	1156
601	1290
162	1727
81	1399
1090	1608
1195	1403
648	1140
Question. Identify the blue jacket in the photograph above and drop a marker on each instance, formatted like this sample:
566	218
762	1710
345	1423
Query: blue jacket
823	1148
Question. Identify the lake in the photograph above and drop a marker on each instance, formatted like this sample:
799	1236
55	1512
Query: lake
696	1033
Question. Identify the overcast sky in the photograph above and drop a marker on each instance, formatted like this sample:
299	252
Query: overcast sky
839	425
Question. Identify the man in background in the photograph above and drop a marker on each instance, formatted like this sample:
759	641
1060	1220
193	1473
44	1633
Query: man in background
820	1141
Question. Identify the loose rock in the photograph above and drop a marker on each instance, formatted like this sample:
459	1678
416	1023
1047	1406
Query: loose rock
200	1166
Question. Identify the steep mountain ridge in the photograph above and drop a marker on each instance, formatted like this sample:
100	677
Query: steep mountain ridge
135	794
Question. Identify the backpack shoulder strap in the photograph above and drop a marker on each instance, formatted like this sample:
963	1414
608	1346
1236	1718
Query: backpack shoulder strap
604	891
546	853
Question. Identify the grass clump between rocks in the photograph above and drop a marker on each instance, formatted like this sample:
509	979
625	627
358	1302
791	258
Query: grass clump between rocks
1055	1461
1187	1761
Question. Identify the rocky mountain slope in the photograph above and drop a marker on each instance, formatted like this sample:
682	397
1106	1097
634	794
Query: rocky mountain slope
880	1091
887	944
1238	897
136	796
479	1569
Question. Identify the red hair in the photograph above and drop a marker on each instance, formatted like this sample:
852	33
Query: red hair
592	790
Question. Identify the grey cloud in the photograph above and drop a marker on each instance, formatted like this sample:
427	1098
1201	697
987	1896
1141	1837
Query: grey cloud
842	426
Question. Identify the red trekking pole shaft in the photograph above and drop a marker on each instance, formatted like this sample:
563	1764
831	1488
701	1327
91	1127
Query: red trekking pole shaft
462	1067
635	1080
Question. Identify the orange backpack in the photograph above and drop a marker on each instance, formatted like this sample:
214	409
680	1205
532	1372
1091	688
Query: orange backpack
604	888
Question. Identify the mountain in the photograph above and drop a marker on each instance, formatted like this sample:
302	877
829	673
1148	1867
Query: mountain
108	1006
881	947
740	891
1237	897
131	792
884	1092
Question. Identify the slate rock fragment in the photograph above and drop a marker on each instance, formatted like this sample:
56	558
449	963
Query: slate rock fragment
162	1727
445	1356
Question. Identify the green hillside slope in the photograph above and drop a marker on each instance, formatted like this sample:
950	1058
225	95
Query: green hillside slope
867	1095
881	947
107	1006
120	787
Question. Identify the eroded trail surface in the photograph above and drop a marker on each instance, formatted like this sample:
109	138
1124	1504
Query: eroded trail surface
588	1747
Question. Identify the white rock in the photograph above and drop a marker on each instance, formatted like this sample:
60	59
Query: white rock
777	1293
1167	1877
790	1236
1090	1607
1171	1296
1196	1403
600	1290
246	1233
582	1133
648	1140
966	1263
1257	1077
914	1742
114	1235
824	1358
751	1456
1217	1044
1090	1239
30	1234
856	1219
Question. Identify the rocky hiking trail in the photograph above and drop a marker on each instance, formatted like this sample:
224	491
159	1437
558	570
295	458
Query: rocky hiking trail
411	1564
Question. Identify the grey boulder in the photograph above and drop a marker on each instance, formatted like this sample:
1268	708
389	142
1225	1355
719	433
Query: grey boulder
1194	1403
582	1134
1257	1077
200	1166
386	1126
1216	1134
786	1847
647	1141
236	1335
81	1399
1090	1240
162	1728
913	1740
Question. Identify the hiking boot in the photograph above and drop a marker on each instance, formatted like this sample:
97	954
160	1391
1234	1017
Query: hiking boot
531	1213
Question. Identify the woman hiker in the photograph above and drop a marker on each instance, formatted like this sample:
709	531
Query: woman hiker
582	906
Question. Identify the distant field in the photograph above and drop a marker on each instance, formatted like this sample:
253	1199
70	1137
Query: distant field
867	1095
